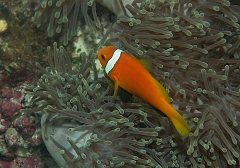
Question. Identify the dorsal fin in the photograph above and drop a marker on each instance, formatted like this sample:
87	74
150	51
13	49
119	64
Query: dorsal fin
146	63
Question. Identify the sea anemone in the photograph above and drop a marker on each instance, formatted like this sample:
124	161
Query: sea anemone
194	47
82	126
62	16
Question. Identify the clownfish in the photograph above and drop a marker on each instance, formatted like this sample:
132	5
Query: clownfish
133	76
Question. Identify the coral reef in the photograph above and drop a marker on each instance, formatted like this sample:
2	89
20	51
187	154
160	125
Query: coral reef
19	132
21	143
22	162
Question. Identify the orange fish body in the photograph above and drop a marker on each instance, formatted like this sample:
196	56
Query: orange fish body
132	75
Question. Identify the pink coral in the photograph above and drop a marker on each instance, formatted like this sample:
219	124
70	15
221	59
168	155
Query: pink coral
5	151
32	162
12	137
18	95
4	124
6	92
12	104
17	130
8	164
9	108
22	162
25	124
36	138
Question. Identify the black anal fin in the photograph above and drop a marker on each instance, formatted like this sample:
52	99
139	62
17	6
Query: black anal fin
124	95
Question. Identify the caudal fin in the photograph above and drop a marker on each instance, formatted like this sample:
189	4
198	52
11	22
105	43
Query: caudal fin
180	124
178	121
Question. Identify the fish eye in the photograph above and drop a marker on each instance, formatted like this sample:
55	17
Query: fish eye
103	57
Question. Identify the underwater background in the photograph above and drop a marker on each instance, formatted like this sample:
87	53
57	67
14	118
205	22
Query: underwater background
57	108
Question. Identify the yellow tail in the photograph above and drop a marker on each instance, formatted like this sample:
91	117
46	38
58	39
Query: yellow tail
180	124
178	121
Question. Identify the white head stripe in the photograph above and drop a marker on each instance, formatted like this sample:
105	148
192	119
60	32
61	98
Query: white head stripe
111	63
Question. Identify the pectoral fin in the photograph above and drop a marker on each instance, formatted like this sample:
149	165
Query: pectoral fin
116	85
